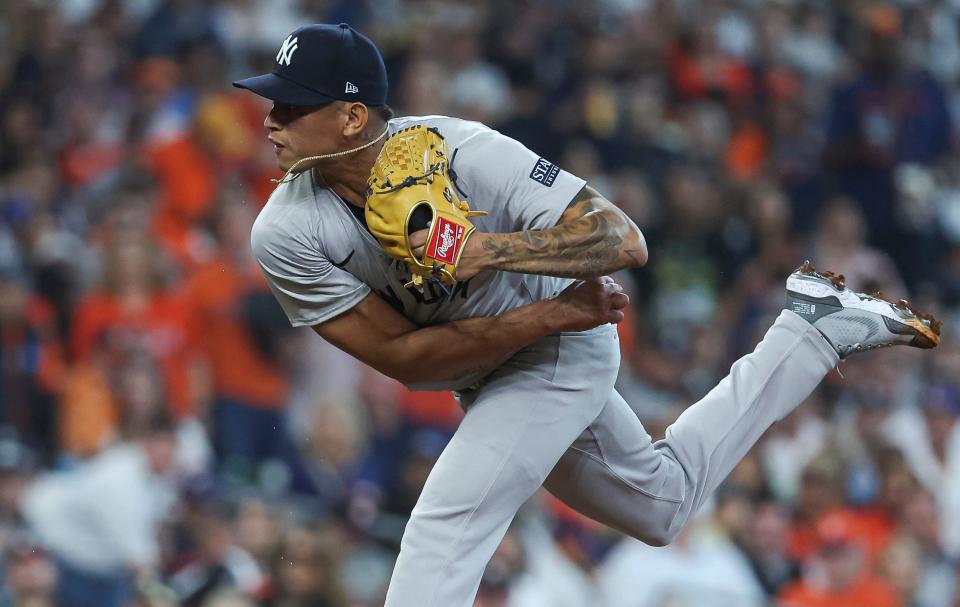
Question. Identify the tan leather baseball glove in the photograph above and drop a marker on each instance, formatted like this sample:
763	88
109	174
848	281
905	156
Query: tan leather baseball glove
409	189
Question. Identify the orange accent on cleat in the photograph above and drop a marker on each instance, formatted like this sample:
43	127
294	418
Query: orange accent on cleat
930	333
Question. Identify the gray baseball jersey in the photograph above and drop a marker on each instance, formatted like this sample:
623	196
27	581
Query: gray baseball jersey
548	415
320	260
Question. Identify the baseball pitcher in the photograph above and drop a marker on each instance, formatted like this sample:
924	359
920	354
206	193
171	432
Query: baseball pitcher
449	256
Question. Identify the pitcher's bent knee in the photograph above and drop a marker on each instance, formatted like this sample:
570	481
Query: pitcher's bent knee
658	526
658	519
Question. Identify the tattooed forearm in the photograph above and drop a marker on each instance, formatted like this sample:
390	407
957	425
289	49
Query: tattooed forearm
592	238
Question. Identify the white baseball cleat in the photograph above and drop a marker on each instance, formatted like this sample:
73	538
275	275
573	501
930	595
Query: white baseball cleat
855	322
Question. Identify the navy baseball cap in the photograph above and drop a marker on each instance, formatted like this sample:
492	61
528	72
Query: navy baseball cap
321	63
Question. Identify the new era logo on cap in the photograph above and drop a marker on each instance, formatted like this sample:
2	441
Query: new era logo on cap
351	88
286	50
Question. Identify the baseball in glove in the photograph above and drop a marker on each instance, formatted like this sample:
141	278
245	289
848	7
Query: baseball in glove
410	189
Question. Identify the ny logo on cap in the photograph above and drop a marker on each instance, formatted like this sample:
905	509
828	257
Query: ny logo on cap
286	50
351	88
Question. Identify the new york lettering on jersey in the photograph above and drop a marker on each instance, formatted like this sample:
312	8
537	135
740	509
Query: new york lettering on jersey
394	272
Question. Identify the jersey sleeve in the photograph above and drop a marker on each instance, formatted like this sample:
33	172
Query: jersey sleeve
520	189
308	286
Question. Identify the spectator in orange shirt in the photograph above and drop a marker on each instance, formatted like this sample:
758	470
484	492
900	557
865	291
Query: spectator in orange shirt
699	69
821	493
113	395
185	176
88	415
135	307
837	574
244	333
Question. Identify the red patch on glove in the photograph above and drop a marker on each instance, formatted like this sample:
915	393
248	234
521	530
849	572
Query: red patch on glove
446	241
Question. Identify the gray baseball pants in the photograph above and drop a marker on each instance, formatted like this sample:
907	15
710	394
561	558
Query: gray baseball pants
550	416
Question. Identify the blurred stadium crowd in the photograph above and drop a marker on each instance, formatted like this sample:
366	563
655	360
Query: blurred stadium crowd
166	439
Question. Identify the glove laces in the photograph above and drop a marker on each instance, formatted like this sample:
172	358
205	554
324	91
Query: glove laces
325	156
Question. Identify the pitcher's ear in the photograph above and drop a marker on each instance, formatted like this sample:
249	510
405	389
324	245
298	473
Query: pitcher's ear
355	117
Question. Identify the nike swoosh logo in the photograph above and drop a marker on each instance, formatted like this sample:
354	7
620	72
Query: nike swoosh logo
345	261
